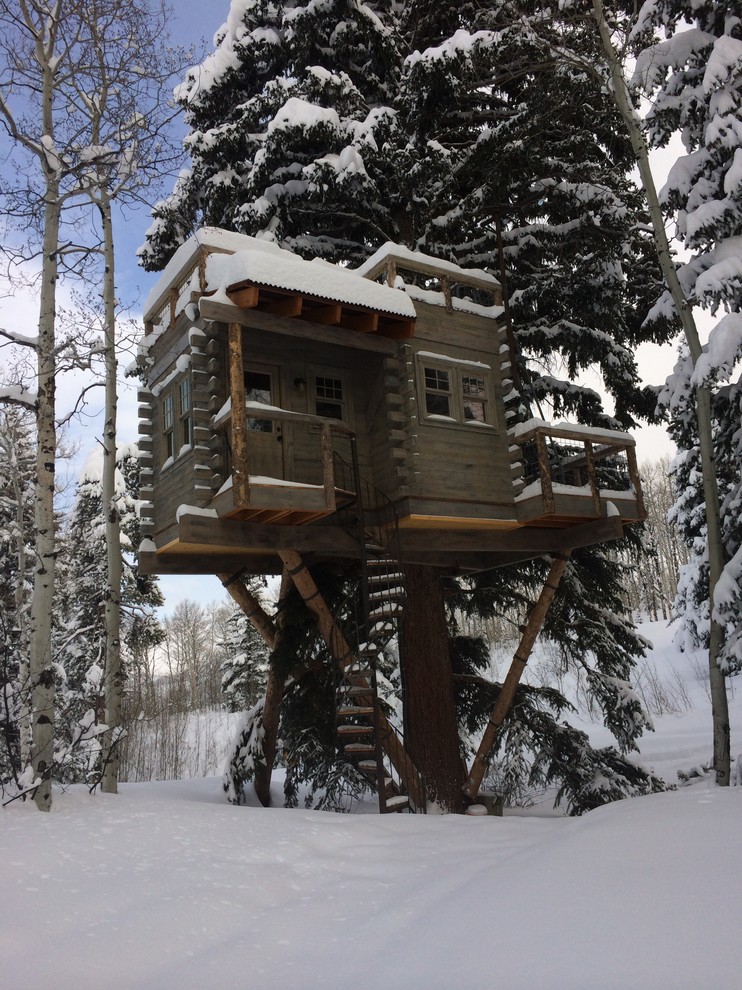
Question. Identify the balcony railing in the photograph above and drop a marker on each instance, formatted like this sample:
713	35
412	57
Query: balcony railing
336	473
575	470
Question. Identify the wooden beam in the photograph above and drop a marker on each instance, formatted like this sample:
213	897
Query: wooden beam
223	312
246	297
232	533
547	492
636	482
363	322
517	667
290	306
329	629
542	539
240	471
326	314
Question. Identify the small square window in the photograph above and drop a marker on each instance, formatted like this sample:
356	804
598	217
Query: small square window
328	397
437	379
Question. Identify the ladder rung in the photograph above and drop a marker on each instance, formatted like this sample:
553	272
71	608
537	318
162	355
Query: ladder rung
348	711
355	730
353	748
375	596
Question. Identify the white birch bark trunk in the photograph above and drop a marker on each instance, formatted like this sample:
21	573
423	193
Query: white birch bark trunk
113	679
719	702
41	672
24	717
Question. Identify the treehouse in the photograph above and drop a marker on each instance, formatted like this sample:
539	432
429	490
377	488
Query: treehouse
297	412
280	393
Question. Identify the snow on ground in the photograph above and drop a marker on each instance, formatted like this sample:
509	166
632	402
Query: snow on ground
166	887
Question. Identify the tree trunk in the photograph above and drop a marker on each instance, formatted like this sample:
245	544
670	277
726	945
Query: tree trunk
113	681
41	671
431	728
719	702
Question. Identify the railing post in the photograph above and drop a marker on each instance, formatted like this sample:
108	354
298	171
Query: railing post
592	476
636	481
328	467
240	474
543	468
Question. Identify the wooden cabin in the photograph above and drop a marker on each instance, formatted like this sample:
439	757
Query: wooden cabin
278	390
296	411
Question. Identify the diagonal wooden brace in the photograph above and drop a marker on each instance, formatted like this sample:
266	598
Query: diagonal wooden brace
517	667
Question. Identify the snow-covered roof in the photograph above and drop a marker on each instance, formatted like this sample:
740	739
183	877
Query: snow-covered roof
279	269
210	238
238	258
417	261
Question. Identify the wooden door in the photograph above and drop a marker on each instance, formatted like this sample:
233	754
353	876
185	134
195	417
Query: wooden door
265	451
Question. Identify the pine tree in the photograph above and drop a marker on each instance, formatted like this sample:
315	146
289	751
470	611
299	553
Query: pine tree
244	669
695	81
16	562
289	132
80	632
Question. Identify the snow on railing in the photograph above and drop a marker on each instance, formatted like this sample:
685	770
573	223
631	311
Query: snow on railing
568	459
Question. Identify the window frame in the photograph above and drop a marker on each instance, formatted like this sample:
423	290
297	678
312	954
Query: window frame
338	377
459	397
168	425
177	418
185	406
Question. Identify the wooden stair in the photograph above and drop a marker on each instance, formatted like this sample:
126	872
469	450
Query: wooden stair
364	733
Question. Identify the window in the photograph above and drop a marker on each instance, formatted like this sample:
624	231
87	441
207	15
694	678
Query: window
177	427
259	388
437	392
168	424
328	401
474	394
455	394
186	420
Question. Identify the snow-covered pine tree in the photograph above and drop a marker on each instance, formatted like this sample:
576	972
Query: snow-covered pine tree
290	128
535	146
245	666
80	631
694	78
17	457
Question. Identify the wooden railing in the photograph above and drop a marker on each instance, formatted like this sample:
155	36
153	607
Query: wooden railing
581	460
328	428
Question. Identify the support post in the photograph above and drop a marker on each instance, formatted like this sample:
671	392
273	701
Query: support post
592	476
328	467
547	491
240	473
517	667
